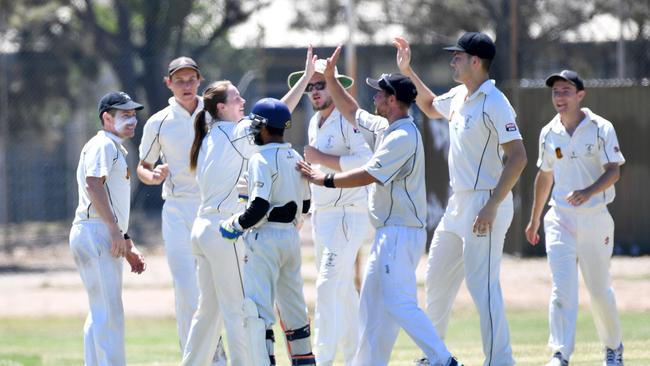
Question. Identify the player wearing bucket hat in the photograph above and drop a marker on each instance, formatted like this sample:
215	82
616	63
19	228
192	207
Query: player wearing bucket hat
340	223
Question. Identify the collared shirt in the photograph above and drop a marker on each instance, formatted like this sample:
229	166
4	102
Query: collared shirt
399	198
272	176
336	136
578	160
104	156
168	135
478	125
222	160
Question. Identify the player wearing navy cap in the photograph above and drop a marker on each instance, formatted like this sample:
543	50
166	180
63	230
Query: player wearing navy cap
580	158
98	237
486	158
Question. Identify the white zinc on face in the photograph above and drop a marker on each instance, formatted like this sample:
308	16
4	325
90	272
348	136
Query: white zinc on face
122	123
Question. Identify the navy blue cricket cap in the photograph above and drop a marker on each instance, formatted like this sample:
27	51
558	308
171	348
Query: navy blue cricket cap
395	84
273	112
566	75
117	100
476	44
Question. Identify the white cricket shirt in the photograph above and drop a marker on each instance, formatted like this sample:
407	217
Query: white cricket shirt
168	135
272	176
399	199
338	137
478	125
222	159
104	156
578	160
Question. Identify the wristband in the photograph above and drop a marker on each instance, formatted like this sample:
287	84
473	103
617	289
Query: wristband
329	180
126	236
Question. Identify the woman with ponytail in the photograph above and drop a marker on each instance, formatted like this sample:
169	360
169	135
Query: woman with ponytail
218	157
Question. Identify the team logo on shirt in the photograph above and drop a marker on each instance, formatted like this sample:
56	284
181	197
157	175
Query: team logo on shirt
330	142
606	240
558	153
510	127
590	149
259	184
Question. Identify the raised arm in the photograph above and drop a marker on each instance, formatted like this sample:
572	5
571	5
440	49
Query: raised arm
292	98
341	98
425	96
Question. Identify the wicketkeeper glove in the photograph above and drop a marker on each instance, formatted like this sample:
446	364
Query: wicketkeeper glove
230	228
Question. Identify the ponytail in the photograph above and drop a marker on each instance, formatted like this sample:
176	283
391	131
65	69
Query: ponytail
200	130
215	93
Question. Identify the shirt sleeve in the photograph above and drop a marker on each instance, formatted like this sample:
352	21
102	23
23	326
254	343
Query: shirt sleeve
395	150
370	125
360	152
99	158
545	159
241	140
442	103
504	119
610	152
149	149
259	179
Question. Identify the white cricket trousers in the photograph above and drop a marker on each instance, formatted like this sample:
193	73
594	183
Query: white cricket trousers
221	299
585	239
101	274
389	299
457	253
338	233
272	274
178	216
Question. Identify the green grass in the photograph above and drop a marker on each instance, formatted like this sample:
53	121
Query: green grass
152	341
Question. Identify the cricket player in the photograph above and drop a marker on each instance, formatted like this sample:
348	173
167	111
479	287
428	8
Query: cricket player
486	158
398	212
167	136
218	155
278	195
98	237
580	158
340	222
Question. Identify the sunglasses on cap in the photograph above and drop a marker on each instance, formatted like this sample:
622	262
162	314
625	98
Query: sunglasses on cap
385	83
319	85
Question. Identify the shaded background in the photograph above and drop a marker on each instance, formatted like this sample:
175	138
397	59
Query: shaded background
57	58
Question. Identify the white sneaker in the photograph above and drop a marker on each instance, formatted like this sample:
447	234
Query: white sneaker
557	360
614	357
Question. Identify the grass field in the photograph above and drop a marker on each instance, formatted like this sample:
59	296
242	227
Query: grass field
151	341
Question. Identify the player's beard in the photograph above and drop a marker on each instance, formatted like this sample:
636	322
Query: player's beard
323	106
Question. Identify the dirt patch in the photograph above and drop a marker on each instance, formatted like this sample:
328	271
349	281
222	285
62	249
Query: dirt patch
44	282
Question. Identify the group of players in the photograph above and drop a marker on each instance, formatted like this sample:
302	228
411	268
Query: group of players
235	192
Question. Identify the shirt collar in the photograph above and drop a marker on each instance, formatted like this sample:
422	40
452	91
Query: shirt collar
274	145
558	127
179	108
332	117
486	88
398	123
116	139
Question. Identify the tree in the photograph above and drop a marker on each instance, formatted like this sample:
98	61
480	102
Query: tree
61	44
540	23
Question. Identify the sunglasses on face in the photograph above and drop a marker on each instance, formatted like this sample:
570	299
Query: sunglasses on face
385	83
319	85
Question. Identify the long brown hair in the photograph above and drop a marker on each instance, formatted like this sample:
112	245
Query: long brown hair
214	94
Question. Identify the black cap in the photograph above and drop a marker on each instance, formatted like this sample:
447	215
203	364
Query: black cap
182	63
475	44
117	100
566	75
396	84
